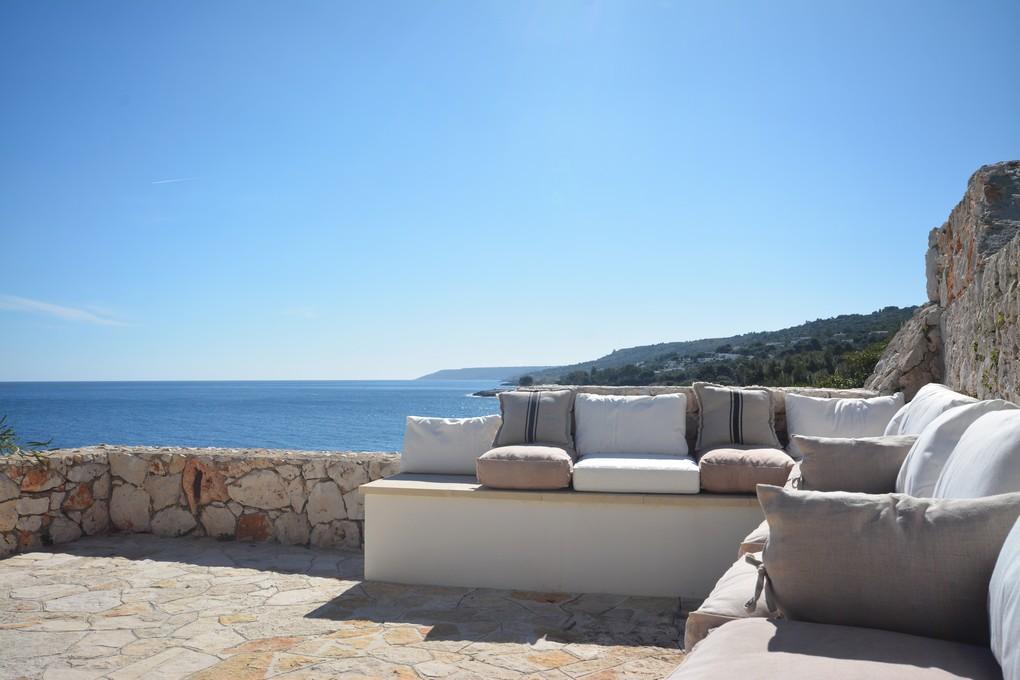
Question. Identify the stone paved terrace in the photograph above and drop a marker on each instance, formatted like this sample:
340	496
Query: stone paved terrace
140	606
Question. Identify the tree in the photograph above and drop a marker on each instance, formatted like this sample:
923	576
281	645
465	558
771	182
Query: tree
525	381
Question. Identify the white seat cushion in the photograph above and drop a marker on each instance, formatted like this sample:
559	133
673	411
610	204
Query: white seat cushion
1004	606
631	425
818	417
929	403
636	474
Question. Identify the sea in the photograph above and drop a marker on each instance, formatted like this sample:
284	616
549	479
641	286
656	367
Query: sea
326	415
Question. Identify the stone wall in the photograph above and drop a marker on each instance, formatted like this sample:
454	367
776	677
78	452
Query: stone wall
292	497
971	340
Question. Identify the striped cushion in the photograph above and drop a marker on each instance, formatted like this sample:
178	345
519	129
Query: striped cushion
729	415
539	416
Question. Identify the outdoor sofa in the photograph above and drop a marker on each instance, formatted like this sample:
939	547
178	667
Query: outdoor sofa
637	494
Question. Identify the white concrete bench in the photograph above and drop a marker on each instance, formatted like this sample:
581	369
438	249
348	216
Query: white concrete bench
450	531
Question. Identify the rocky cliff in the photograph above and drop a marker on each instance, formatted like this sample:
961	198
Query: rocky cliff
967	335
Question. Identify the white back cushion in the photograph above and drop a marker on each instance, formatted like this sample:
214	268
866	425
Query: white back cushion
1004	606
821	417
446	446
986	461
631	425
928	404
936	442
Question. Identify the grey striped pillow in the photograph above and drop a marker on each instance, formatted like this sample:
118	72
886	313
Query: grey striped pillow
538	416
730	415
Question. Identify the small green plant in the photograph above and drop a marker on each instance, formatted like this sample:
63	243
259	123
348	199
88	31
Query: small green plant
9	445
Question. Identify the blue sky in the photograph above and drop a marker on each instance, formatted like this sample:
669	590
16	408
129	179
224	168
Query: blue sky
197	190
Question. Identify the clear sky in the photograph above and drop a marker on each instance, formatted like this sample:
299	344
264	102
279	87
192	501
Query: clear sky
206	190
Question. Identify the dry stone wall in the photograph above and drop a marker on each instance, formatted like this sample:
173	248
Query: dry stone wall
968	335
292	497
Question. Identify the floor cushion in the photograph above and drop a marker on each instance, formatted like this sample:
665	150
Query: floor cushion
986	460
754	541
446	446
531	466
837	417
634	425
725	603
795	650
928	404
636	474
927	458
739	469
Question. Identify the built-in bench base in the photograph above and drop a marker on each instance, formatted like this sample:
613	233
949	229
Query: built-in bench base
450	531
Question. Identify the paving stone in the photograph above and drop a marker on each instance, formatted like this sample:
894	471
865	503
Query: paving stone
128	606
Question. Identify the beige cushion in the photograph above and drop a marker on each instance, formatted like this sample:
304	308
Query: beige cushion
911	565
538	416
792	650
1004	606
863	464
739	469
725	603
533	466
754	541
730	415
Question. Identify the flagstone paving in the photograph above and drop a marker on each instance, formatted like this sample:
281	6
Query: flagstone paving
138	606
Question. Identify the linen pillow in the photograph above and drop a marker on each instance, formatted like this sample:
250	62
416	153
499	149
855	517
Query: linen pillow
729	415
822	417
986	460
536	416
626	425
912	565
861	464
930	401
446	446
1004	606
936	442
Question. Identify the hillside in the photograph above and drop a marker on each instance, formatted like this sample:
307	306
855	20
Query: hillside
484	373
834	352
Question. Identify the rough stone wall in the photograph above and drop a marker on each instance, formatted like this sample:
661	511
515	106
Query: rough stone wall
55	497
292	497
914	355
973	268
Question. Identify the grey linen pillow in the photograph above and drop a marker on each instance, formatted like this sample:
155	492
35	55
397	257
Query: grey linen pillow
912	565
860	464
536	417
730	415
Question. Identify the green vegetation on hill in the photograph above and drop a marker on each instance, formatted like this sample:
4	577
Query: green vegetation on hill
837	352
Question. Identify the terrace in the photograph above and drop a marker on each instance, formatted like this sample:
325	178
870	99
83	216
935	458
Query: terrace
124	606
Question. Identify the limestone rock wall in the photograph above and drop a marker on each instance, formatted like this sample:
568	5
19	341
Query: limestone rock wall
291	497
973	280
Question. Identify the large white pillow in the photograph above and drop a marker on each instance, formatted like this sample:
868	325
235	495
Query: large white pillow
986	461
607	423
1004	606
446	446
936	442
848	418
929	403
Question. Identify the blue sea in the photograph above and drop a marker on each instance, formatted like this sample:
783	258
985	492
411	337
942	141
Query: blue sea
331	415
